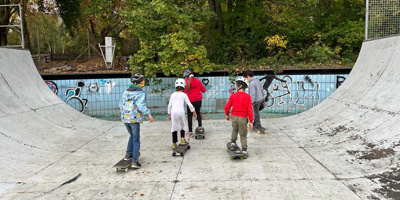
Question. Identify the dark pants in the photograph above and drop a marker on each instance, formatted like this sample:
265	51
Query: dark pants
256	112
175	136
197	107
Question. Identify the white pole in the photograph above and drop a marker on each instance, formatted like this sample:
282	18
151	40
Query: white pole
22	28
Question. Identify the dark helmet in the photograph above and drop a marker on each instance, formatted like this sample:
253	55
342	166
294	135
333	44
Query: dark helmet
187	73
242	83
137	78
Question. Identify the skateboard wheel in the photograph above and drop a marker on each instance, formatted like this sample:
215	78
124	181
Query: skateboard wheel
231	157
126	169
204	137
259	132
241	157
188	147
116	169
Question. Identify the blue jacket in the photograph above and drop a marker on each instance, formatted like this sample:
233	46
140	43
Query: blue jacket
132	105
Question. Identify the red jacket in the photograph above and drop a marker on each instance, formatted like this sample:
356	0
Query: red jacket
241	105
196	88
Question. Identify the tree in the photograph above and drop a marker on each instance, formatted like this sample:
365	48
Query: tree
215	6
236	30
102	18
9	15
169	42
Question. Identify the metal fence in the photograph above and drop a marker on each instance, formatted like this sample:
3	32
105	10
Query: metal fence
284	94
382	18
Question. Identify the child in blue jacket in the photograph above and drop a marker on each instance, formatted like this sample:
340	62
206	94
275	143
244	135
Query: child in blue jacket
132	106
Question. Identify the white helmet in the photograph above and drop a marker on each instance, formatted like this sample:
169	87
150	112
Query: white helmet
242	83
180	82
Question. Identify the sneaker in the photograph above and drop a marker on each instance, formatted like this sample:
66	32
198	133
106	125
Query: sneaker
200	129
128	157
190	134
245	154
173	145
232	147
136	165
255	128
183	141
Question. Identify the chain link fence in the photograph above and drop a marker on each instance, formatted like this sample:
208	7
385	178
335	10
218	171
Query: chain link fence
383	18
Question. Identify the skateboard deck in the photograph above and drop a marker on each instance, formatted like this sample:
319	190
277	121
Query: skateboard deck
261	130
235	154
198	134
123	165
181	149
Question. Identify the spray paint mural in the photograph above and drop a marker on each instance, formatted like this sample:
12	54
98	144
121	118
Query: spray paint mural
53	86
282	93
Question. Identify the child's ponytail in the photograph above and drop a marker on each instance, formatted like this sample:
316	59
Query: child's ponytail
188	85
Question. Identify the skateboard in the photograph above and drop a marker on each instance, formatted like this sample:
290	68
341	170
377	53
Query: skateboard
181	149
123	164
261	130
235	154
198	134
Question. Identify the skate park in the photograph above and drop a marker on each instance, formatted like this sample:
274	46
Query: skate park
344	148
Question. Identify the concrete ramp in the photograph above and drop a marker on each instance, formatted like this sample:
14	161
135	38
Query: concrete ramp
355	132
37	129
345	148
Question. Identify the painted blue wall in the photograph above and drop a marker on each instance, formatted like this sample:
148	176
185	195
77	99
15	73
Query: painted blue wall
287	94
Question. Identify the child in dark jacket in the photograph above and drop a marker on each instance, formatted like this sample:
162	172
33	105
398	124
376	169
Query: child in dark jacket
242	109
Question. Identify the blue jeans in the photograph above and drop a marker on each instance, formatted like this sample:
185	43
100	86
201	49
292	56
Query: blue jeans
134	140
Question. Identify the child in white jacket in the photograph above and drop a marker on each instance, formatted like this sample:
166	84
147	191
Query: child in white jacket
176	111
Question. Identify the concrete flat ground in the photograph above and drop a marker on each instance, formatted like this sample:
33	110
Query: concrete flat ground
276	169
347	147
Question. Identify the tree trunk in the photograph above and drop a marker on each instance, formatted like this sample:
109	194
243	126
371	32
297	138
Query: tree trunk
27	41
4	20
215	6
212	5
219	16
230	5
3	37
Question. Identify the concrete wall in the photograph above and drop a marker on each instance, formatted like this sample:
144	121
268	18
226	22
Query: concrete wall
299	93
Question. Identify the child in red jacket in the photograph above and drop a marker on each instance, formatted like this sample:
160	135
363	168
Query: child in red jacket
242	109
194	89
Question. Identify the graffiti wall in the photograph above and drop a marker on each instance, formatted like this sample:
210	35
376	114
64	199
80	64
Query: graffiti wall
288	94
